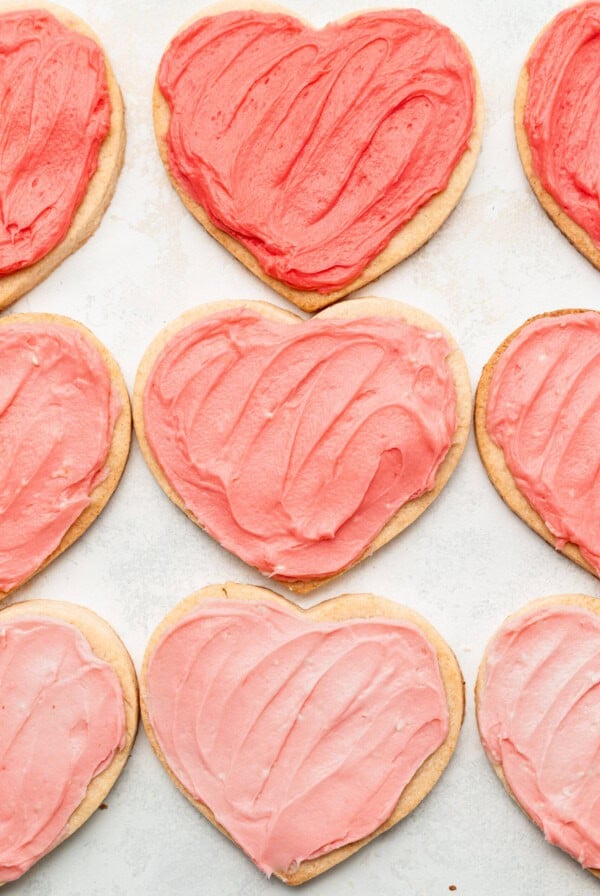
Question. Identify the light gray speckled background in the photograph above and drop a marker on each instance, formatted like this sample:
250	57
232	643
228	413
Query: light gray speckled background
465	564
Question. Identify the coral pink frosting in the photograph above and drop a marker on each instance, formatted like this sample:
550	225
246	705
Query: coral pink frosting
58	410
544	413
313	148
55	115
538	717
294	444
562	113
300	736
62	721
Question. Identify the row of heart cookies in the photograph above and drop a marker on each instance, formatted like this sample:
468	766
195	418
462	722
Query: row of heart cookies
300	734
319	158
301	446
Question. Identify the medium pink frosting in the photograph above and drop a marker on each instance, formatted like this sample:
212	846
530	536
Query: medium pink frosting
562	113
543	411
58	410
294	444
62	721
300	736
314	147
55	115
538	717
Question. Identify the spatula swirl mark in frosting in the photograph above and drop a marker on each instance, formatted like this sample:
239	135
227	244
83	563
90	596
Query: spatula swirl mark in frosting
294	444
299	736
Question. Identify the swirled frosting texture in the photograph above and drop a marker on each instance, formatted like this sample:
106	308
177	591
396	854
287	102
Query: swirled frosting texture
543	411
58	410
538	718
300	736
312	148
55	115
294	444
562	113
62	721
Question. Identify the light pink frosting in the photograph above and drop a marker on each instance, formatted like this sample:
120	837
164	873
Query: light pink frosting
300	736
62	720
539	715
543	411
58	410
294	444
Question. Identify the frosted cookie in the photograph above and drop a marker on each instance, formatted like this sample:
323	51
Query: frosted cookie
557	123
538	703
318	158
62	141
537	423
65	430
303	446
245	699
68	719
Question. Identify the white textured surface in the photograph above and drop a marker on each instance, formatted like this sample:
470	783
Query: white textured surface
465	564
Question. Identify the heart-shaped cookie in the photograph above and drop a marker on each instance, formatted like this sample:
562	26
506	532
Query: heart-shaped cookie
318	158
301	734
65	431
62	141
537	423
302	446
538	704
557	123
68	720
